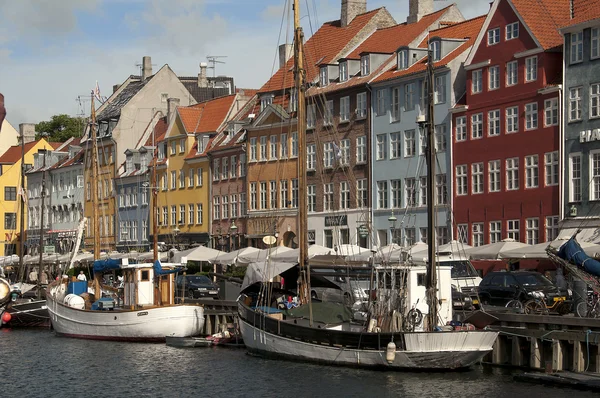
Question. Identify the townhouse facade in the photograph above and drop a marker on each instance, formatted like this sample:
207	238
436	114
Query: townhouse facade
506	127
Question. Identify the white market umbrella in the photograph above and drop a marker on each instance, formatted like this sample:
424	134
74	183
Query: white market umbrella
539	250
495	251
232	257
200	253
291	256
262	255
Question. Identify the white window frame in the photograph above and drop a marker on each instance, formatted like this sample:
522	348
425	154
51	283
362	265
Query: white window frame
513	229
512	174
576	43
551	112
361	105
462	187
512	119
476	81
575	95
461	128
493	77
477	234
493	36
512	31
532	173
531	69
575	177
409	143
494	176
493	123
594	100
477	180
512	73
551	168
345	109
532	230
477	126
594	43
531	116
495	232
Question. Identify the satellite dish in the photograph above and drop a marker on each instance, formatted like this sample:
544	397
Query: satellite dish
269	240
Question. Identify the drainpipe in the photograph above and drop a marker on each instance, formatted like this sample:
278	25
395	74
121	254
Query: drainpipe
374	235
561	146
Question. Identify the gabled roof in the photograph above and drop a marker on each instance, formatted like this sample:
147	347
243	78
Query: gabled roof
322	47
466	30
13	154
584	11
160	130
544	18
112	110
206	117
66	162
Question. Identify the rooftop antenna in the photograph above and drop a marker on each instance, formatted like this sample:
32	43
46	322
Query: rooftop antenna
82	101
139	65
213	60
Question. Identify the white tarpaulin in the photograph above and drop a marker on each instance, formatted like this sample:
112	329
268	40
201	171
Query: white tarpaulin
232	257
539	250
495	251
264	271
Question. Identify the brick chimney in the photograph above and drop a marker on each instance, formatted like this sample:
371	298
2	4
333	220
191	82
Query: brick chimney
146	67
27	131
172	104
285	52
418	8
350	9
202	79
116	87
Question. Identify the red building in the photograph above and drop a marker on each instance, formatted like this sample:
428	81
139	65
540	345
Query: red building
506	127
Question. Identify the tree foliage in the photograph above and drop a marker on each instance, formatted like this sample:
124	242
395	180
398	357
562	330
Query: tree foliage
61	127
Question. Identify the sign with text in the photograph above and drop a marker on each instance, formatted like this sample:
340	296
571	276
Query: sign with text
49	249
336	221
589	135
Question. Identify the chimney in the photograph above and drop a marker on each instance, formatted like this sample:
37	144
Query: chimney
172	104
146	67
116	87
202	79
2	110
350	9
418	8
27	131
285	52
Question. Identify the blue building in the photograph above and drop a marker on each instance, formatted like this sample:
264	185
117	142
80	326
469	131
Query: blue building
399	170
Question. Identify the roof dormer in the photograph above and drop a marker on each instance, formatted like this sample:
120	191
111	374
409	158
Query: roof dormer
402	59
328	73
369	62
441	47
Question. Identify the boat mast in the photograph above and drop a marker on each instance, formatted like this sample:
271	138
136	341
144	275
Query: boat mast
22	213
431	287
300	76
153	206
41	245
94	188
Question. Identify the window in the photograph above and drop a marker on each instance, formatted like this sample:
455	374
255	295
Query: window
294	139
494	123
295	190
253	156
409	143
440	138
263	148
512	230
263	195
343	71
409	96
182	145
494	176
344	195
181	178
253	197
531	171
242	165
531	116
362	193
461	128
402	59
512	174
165	216
476	81
512	119
328	196
312	198
512	31
493	77
574	104
345	152
382	194
328	237
328	155
10	193
323	78
365	66
595	178
216	207
10	220
477	126
191	177
409	236
344	109
273	194
361	105
173	215
361	149
575	185
532	230
551	228
173	148
283	150
265	101
576	47
199	177
512	73
395	113
395	145
440	89
477	178
551	112
381	102
531	69
551	168
461	179
423	191
423	233
328	117
477	234
216	169
381	146
199	213
595	100
396	192
234	166
191	213
144	194
441	189
181	214
495	231
311	116
283	194
595	43
436	50
463	233
493	36
173	179
311	157
410	192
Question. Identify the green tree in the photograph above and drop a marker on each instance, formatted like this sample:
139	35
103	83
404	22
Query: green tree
61	127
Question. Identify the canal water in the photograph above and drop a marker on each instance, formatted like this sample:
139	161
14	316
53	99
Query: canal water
36	363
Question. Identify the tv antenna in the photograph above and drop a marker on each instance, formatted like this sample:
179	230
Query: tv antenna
82	100
213	60
140	66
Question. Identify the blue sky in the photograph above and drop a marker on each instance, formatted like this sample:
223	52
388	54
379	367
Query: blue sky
52	51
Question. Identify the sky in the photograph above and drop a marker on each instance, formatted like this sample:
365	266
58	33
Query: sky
53	51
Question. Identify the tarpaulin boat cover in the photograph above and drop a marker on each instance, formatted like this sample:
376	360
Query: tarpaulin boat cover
158	269
572	252
106	265
323	312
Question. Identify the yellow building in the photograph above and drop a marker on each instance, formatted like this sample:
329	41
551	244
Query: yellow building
10	181
183	170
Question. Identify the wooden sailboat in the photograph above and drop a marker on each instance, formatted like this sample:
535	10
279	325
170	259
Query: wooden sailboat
403	344
145	310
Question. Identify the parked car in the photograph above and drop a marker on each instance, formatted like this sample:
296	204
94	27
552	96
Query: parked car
500	287
196	286
461	301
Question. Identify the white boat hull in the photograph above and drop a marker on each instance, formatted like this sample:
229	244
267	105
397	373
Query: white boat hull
151	324
424	350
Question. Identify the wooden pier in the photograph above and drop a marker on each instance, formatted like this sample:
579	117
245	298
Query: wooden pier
216	313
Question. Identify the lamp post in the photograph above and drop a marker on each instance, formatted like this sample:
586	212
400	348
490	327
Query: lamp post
175	232
232	235
392	220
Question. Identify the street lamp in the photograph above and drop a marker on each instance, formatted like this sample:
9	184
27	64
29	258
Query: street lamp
392	220
232	235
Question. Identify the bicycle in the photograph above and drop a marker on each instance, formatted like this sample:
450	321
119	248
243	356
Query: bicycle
590	308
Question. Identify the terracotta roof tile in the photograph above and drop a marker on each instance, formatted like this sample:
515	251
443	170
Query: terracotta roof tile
206	117
321	47
13	154
583	11
160	130
544	18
